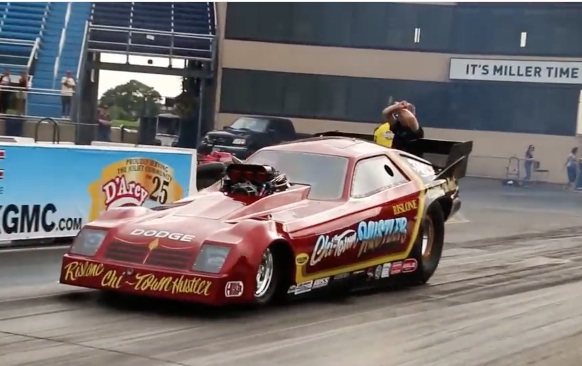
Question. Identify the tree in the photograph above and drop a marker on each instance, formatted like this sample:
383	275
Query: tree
186	105
131	100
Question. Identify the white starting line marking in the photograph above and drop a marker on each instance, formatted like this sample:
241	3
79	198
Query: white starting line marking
32	248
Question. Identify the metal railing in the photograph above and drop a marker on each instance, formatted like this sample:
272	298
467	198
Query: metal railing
14	103
512	168
44	18
62	131
56	129
80	78
83	50
28	66
62	41
213	4
33	55
171	49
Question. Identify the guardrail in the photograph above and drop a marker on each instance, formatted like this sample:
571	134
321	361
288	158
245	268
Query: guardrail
43	130
171	49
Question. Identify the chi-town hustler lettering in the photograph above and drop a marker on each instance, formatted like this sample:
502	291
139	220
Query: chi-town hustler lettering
180	285
144	282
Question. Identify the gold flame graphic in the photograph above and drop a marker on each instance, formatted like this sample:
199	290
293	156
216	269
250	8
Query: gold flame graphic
153	245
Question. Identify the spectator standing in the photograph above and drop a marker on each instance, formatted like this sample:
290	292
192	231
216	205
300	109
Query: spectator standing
4	91
400	126
103	125
528	164
572	168
22	93
67	90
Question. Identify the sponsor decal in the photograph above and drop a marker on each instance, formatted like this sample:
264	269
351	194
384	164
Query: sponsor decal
369	236
119	193
389	135
405	207
396	268
378	272
292	289
335	246
17	219
2	156
321	282
409	265
341	276
134	182
160	234
140	282
304	287
301	259
370	272
374	234
234	289
385	273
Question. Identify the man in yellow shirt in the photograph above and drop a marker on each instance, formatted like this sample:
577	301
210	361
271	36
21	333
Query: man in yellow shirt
400	126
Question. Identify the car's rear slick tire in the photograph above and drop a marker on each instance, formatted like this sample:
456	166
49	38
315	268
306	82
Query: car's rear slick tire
428	248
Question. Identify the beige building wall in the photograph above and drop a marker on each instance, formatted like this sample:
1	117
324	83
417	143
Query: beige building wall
492	150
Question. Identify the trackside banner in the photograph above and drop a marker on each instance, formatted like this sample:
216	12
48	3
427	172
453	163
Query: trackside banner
51	191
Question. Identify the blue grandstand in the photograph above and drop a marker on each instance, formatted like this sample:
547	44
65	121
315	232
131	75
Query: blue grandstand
21	30
47	39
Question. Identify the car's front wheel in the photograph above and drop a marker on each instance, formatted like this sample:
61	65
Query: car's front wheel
267	278
429	244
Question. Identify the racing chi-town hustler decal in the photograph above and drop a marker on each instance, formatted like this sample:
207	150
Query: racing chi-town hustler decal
140	282
369	236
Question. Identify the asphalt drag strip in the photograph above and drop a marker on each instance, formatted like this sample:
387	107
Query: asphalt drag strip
521	300
508	292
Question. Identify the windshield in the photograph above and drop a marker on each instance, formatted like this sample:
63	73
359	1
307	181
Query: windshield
249	123
324	173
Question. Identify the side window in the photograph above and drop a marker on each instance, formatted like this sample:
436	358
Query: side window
375	174
277	127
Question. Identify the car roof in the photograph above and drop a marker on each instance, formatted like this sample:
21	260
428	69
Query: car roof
264	117
346	147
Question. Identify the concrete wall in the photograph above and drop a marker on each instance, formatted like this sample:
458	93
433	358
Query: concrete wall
491	149
67	132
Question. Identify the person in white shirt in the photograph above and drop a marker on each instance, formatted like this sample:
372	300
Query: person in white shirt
4	94
67	90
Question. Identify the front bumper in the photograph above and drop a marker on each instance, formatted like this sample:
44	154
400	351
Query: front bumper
240	152
161	283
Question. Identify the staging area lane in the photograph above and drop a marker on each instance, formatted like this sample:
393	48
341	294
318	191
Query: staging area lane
498	298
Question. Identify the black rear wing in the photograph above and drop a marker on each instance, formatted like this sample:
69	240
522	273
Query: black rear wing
442	154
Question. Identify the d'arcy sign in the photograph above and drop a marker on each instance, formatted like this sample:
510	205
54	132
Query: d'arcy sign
553	72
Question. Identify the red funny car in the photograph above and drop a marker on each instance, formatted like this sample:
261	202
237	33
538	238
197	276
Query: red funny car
318	214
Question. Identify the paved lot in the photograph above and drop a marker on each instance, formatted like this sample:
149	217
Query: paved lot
508	292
